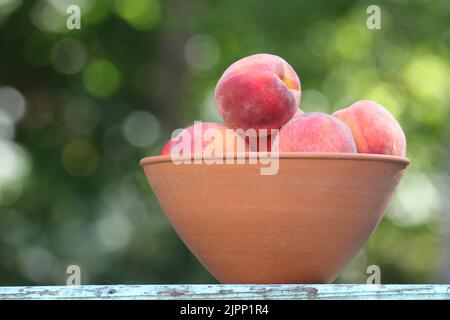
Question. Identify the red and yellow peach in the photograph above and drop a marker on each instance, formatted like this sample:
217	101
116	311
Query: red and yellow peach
205	138
374	128
315	132
261	91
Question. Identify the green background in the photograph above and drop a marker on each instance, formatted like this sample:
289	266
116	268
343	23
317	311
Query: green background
79	108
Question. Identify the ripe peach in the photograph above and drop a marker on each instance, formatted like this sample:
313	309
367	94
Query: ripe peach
374	128
166	148
205	137
315	132
265	143
261	91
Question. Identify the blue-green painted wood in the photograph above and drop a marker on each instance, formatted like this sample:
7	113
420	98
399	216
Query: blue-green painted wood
248	292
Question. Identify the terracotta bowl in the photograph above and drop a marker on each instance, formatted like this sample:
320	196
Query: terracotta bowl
301	225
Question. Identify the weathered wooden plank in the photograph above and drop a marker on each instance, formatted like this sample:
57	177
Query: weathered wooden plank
247	292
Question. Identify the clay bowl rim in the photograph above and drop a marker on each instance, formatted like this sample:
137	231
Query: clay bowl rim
288	155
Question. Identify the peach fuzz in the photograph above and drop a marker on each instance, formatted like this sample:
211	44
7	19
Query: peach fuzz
261	91
205	137
374	128
315	132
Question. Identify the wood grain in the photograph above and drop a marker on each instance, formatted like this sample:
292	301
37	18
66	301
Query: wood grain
246	292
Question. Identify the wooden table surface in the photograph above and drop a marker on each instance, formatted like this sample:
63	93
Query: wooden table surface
246	292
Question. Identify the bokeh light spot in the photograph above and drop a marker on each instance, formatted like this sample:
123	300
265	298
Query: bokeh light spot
141	129
418	200
38	264
101	78
114	231
80	158
68	56
14	162
12	103
6	127
427	77
314	101
140	14
202	52
388	97
353	41
47	18
9	6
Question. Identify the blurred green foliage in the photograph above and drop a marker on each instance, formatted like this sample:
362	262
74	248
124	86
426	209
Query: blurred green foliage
79	108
